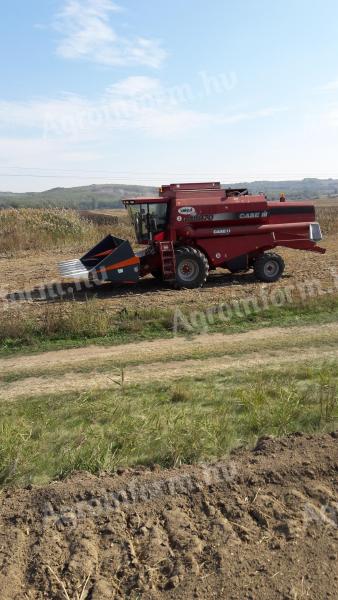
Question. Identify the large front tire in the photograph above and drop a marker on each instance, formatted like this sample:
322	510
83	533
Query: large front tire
192	268
269	267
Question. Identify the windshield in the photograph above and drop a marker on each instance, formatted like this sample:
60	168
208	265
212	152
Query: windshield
148	219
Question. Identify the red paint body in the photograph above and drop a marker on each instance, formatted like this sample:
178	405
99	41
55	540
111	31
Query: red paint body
226	225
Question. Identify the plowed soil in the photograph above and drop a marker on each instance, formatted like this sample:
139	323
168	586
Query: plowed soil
29	272
261	526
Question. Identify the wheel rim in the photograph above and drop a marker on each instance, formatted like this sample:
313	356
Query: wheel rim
271	268
187	270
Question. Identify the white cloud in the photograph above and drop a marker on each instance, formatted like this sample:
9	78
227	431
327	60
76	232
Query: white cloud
44	154
74	132
87	34
135	86
32	114
331	86
252	115
133	104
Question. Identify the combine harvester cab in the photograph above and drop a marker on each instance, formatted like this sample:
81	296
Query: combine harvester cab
113	259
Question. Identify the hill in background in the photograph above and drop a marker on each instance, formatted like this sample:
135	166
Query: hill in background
110	195
83	197
311	189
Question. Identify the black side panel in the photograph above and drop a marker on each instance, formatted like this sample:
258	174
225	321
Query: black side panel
119	265
240	263
92	258
291	210
129	274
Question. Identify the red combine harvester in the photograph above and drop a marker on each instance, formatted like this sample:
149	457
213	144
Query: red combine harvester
191	229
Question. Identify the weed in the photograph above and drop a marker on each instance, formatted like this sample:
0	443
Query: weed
181	394
327	391
48	437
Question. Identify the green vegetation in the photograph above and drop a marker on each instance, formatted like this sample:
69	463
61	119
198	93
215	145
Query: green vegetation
48	437
110	195
85	197
75	324
310	188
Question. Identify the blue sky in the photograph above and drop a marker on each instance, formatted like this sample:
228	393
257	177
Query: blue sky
145	91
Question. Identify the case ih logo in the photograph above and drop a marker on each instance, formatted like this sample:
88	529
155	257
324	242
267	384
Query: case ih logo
187	210
253	215
222	231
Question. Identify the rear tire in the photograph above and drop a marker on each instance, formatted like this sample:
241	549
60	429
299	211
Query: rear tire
269	267
192	268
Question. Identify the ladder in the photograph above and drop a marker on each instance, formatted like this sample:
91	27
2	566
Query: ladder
168	260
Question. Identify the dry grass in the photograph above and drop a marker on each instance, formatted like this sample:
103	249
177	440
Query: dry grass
36	229
117	219
84	319
78	596
328	218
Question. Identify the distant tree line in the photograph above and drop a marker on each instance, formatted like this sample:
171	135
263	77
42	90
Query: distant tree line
110	196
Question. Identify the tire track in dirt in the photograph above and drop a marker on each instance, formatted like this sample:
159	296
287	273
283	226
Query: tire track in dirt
163	371
169	348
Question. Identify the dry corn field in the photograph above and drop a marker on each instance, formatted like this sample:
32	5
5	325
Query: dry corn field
30	229
33	241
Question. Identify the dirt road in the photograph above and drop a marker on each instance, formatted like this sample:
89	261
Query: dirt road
94	367
261	526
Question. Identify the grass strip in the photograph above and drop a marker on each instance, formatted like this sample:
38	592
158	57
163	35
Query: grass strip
187	421
87	323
